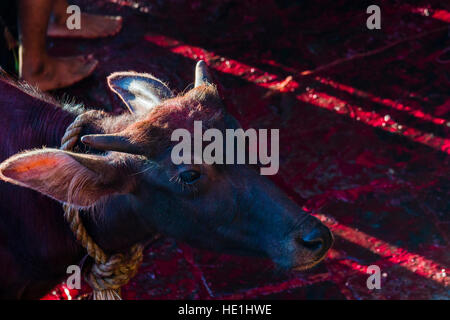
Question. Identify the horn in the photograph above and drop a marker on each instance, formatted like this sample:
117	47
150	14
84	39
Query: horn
202	75
110	142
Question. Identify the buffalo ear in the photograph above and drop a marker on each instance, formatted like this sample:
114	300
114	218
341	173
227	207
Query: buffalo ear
139	91
71	178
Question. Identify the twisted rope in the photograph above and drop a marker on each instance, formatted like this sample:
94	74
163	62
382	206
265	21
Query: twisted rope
108	273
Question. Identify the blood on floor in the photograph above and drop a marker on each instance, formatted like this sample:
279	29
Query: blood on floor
364	144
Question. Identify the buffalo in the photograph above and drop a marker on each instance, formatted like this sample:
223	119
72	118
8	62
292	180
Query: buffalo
120	175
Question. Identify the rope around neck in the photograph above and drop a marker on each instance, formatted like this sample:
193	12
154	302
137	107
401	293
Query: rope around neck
108	273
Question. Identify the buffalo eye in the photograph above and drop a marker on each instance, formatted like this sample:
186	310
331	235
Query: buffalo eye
189	176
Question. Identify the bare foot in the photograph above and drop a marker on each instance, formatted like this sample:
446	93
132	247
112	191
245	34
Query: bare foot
92	26
54	73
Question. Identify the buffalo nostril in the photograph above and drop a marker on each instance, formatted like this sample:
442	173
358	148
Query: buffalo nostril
312	245
313	241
